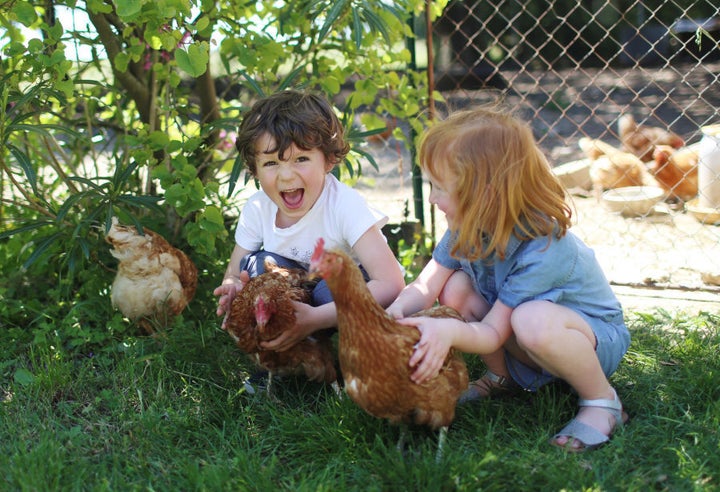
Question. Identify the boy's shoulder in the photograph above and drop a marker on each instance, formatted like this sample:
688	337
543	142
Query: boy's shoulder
338	189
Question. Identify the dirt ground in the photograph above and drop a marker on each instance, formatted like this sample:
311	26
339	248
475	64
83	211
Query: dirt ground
668	259
655	262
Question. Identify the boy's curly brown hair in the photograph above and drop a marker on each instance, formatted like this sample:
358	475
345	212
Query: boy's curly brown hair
291	116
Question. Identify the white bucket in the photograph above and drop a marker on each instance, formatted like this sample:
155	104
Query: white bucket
709	167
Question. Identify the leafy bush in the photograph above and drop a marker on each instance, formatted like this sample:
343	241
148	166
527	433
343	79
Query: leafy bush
143	130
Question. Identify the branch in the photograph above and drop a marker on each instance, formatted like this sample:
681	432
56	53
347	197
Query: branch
136	88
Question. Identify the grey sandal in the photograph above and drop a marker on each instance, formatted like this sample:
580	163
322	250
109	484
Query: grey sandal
589	436
489	385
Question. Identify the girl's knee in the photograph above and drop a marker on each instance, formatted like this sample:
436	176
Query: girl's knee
460	294
531	324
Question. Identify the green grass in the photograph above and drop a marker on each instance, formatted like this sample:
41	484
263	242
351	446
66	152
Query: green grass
173	415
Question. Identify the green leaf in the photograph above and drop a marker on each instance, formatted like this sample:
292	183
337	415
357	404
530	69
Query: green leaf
25	228
42	245
332	16
26	166
99	6
23	377
357	28
25	13
202	23
68	204
237	168
128	8
194	61
253	84
122	60
158	140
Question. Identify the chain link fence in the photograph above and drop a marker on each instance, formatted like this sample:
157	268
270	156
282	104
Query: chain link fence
575	70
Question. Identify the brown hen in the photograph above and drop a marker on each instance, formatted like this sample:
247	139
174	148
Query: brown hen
641	139
154	282
676	170
263	309
374	350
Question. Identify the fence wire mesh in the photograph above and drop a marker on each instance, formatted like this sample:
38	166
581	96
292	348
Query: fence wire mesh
575	71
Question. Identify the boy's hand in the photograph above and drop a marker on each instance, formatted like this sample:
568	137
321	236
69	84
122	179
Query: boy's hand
292	334
228	290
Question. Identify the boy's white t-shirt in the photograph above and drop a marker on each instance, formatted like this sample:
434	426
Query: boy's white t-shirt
340	216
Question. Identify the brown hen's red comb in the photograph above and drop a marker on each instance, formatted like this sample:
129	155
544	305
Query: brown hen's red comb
319	248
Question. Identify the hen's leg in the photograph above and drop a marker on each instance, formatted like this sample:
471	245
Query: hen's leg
400	446
337	389
269	383
441	442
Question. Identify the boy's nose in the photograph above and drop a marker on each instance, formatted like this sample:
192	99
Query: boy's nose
285	171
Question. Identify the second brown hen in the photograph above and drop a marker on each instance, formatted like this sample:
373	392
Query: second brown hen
263	309
676	170
374	351
641	139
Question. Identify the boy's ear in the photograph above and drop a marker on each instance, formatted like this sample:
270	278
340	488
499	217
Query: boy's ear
329	164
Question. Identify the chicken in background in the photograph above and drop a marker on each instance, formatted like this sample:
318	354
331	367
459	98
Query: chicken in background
154	282
611	167
374	350
641	140
676	170
263	309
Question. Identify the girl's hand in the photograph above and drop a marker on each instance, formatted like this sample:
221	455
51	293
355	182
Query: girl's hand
432	349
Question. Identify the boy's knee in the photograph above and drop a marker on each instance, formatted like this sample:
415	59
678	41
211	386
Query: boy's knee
254	263
321	294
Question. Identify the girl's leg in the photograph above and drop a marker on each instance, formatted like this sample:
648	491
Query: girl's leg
561	341
459	294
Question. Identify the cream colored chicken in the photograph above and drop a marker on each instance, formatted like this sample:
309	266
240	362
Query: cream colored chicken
611	167
155	281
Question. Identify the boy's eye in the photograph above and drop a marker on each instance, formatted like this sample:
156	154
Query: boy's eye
269	163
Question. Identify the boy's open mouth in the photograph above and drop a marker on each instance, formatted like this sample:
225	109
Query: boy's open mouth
293	198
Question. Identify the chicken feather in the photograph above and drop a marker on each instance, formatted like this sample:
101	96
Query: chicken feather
641	140
374	350
611	167
263	309
676	170
155	281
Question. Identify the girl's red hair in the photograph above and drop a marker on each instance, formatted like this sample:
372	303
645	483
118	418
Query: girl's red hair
502	182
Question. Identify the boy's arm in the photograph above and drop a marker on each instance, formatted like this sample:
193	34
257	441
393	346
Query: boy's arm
422	292
376	257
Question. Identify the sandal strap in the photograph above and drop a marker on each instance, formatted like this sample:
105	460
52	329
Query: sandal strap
502	381
613	406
